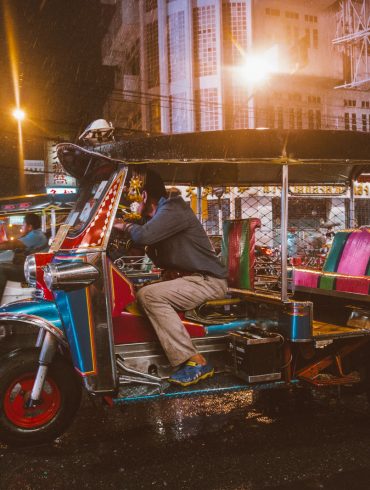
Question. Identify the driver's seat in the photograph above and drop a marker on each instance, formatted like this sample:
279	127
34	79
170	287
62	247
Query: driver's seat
238	253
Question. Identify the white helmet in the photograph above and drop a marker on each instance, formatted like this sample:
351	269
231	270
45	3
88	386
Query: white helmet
98	131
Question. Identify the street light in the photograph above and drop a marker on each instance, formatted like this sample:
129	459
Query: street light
259	66
19	114
255	72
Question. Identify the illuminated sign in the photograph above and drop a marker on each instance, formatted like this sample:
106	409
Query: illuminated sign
16	220
314	190
15	207
362	189
298	190
61	190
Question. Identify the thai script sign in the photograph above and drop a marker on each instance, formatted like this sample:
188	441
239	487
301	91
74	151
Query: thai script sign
362	189
55	173
61	190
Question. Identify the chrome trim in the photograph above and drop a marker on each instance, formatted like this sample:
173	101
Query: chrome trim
48	349
122	365
108	296
70	275
284	232
36	322
203	345
3	332
259	378
30	270
124	380
40	337
141	357
352	217
38	385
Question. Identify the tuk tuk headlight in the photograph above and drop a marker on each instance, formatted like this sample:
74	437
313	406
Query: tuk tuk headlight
70	275
30	269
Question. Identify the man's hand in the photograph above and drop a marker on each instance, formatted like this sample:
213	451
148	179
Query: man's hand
12	245
121	225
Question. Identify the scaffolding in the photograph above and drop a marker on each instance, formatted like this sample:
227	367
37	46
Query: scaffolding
353	39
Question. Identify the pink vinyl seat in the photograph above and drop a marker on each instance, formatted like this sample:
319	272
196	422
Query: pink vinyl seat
346	268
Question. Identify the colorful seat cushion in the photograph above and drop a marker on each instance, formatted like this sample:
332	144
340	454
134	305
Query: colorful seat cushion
347	266
335	253
238	250
356	252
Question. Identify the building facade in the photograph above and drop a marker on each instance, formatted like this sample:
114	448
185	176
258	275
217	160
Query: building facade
185	65
182	65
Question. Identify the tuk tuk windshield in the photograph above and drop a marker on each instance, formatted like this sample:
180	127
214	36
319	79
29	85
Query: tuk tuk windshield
91	195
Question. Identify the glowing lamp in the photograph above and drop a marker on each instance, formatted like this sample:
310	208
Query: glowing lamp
18	114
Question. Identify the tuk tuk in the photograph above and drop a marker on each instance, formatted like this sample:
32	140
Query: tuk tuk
85	330
52	209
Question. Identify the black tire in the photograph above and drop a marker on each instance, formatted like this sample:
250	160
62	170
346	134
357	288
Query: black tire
60	399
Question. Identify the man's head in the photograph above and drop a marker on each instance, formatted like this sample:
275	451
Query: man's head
153	190
31	222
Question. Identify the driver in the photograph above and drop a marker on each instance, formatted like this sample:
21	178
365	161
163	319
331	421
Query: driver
178	244
33	240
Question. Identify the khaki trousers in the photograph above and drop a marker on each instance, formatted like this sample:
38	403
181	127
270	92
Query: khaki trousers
160	300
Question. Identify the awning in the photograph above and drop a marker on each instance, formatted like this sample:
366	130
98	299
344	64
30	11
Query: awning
235	157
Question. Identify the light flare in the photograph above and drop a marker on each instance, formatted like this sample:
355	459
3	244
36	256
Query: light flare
13	58
258	67
19	114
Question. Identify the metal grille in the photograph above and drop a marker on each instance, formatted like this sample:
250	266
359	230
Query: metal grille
312	223
315	214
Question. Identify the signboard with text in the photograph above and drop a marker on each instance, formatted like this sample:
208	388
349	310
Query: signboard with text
33	167
55	174
61	190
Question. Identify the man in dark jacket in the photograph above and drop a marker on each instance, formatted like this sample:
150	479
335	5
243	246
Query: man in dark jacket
178	244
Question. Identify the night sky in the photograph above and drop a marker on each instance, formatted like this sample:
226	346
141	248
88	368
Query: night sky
63	84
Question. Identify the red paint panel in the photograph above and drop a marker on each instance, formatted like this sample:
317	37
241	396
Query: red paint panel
123	292
253	224
41	260
352	285
128	328
234	253
94	233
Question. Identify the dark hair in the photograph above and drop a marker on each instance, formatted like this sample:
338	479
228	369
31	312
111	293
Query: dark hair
154	185
34	220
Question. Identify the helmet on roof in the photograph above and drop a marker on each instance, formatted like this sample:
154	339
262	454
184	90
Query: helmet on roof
98	131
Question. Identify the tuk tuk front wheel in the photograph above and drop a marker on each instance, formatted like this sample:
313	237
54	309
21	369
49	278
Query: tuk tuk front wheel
60	399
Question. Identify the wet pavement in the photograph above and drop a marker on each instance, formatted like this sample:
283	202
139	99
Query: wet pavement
234	441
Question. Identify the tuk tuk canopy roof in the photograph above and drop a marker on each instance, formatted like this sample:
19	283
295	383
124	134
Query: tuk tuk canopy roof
236	157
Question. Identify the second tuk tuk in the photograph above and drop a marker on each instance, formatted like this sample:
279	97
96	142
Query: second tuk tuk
52	209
